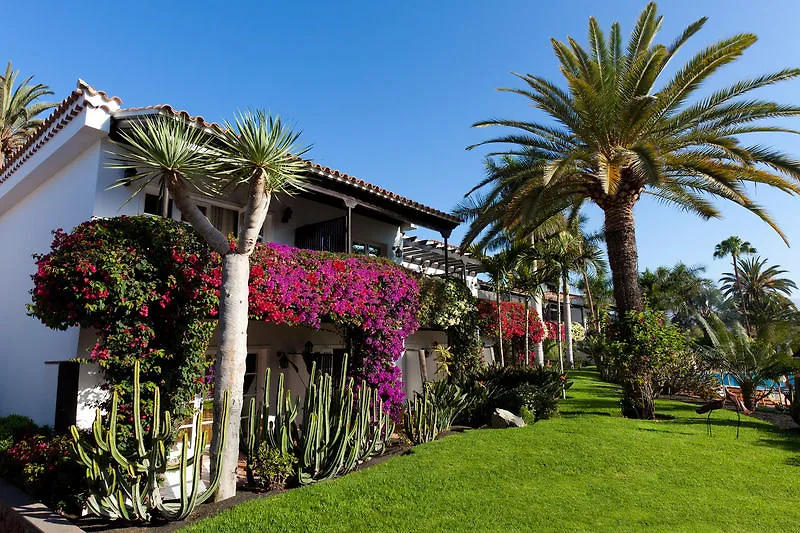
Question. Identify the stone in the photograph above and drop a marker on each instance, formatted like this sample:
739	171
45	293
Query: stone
506	419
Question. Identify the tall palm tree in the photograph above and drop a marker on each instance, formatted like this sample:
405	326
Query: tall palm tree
734	246
19	107
529	277
624	126
762	289
499	267
256	152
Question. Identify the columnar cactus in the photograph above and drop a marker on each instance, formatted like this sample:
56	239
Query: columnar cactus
342	426
126	485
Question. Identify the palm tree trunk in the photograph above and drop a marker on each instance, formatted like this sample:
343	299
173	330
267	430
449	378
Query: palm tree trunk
741	294
568	323
558	332
638	399
623	257
500	325
537	306
527	333
748	394
589	298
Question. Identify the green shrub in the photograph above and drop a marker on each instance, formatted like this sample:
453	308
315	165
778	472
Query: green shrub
433	410
513	388
273	468
44	466
14	428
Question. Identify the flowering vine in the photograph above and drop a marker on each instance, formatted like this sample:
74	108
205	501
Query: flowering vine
150	289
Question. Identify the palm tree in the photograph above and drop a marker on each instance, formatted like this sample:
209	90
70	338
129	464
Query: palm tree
257	152
499	267
529	277
734	246
622	128
751	361
762	289
599	286
19	107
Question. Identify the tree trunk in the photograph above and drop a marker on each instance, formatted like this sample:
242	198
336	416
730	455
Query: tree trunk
230	366
423	366
527	331
592	311
568	323
748	394
623	257
741	294
500	326
537	306
558	332
638	399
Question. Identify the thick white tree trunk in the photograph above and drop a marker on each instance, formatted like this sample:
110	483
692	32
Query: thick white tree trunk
568	324
500	328
230	366
539	347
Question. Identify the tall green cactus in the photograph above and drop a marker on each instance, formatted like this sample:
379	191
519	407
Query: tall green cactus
126	486
342	426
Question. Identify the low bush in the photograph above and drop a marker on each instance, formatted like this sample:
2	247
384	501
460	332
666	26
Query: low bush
433	410
513	388
42	464
273	468
14	428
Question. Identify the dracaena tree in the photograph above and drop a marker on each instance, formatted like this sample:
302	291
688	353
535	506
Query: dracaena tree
622	124
256	152
19	106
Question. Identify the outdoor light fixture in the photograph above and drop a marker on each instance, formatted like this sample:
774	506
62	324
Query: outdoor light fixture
309	347
287	215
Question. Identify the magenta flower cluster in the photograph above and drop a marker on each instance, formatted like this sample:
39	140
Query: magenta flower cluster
374	302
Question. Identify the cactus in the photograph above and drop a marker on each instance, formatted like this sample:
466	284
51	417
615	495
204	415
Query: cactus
433	410
126	486
342	426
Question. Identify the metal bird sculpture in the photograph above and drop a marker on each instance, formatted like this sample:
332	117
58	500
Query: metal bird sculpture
719	403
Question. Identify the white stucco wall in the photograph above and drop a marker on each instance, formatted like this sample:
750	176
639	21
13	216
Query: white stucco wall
27	385
409	363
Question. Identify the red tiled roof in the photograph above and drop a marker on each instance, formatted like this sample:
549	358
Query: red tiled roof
319	169
61	115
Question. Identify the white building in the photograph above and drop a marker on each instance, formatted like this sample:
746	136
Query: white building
61	178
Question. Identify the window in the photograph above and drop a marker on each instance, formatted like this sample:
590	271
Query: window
152	205
225	220
370	249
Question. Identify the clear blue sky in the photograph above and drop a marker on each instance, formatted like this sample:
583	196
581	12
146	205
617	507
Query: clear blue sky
388	91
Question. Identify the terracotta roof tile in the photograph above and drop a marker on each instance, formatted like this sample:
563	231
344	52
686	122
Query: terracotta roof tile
320	169
61	115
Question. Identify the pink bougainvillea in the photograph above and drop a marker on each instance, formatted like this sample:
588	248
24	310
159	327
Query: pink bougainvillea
149	287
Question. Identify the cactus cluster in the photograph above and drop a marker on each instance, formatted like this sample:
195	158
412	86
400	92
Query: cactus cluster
433	410
126	485
342	426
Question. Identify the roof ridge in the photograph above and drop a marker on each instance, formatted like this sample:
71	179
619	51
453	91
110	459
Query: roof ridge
23	152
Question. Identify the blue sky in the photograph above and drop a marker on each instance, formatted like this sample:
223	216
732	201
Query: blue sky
387	91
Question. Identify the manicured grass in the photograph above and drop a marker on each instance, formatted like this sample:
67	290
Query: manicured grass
588	470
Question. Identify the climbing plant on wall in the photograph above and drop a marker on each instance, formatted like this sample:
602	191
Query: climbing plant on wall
141	284
149	287
448	304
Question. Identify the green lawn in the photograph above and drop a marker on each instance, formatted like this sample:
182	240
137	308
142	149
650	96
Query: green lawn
588	470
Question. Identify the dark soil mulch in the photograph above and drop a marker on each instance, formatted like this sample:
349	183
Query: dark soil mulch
243	494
